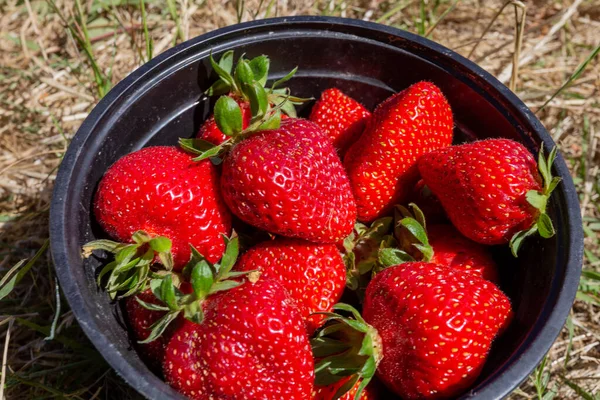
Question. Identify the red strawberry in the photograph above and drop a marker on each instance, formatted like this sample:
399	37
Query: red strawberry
436	325
313	274
161	191
454	250
423	197
341	117
210	132
491	190
251	345
382	164
328	392
141	319
290	181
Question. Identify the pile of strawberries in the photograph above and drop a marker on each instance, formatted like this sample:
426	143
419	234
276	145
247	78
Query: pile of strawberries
234	249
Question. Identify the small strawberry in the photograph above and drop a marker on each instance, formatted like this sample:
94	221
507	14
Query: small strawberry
210	132
456	251
491	190
436	326
382	164
313	274
141	320
423	197
248	79
342	118
163	192
290	181
251	344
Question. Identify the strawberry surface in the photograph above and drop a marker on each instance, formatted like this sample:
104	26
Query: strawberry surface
483	186
382	164
161	191
342	118
436	325
456	251
290	181
313	274
252	344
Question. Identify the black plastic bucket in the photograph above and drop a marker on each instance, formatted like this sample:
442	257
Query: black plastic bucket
162	101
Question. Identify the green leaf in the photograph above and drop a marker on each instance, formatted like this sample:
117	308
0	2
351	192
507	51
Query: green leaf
517	239
555	181
419	216
211	153
389	257
260	69
195	146
543	165
218	88
416	229
107	268
346	387
272	123
161	244
323	346
243	73
259	101
167	293
151	306
102	244
16	273
223	74
537	200
202	279
166	260
155	287
224	285
226	61
158	328
350	309
125	254
289	109
361	387
228	116
284	79
232	249
193	312
141	237
545	227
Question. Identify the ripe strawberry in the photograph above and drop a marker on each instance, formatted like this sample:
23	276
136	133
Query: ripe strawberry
436	325
141	319
251	345
210	132
342	118
328	392
491	190
163	192
290	181
382	164
456	251
423	197
313	274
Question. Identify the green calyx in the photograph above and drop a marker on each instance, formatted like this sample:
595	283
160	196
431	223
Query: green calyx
539	200
205	278
361	249
246	84
129	272
346	347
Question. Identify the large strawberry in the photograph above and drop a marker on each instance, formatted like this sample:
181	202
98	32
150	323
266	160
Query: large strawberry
436	326
342	118
313	274
163	192
382	164
491	190
251	344
290	181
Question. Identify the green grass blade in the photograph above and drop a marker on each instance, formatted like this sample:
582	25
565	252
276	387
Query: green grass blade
147	38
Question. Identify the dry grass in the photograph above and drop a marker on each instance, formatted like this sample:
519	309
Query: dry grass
47	87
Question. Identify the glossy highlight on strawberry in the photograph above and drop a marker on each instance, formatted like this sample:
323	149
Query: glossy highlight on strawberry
313	274
251	345
382	164
436	324
161	191
290	181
